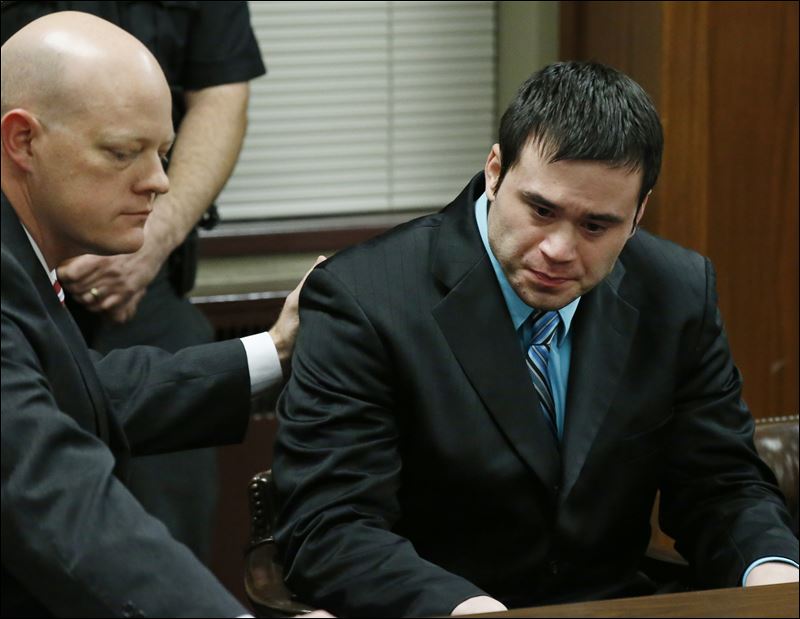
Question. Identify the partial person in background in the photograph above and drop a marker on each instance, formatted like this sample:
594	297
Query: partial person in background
208	52
86	122
484	402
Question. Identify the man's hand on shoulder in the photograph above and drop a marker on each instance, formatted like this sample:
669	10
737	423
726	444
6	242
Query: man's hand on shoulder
284	331
479	604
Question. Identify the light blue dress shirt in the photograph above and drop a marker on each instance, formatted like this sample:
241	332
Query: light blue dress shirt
561	345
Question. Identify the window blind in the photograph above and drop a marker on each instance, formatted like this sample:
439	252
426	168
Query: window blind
366	107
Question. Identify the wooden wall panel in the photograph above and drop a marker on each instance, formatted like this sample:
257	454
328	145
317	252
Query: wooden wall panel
621	34
724	76
753	200
680	212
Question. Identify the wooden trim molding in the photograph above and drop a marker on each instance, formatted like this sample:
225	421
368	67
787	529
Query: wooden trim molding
297	235
238	315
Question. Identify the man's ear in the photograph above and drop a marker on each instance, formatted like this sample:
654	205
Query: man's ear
18	128
492	171
640	213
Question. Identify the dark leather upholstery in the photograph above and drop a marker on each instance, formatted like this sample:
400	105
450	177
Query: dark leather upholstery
777	443
263	573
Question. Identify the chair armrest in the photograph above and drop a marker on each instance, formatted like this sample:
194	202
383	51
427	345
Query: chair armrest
263	583
263	572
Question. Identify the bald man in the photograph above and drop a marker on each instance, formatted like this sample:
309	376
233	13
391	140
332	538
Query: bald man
140	298
86	122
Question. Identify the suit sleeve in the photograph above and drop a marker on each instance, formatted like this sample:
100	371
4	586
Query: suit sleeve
72	534
337	469
719	499
158	396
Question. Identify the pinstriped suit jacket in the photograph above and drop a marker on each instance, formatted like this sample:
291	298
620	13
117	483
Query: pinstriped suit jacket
415	470
75	542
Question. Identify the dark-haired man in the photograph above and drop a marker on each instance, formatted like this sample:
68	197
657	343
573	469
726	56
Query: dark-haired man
484	401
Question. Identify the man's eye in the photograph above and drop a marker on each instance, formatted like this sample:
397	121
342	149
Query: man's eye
594	228
543	211
120	155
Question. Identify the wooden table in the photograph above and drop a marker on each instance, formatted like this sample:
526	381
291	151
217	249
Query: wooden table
768	601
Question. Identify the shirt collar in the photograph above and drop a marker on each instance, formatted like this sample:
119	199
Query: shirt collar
519	310
51	273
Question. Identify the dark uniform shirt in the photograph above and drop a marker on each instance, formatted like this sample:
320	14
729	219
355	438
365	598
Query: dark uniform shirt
198	44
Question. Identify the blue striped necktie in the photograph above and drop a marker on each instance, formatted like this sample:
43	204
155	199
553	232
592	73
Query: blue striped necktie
544	328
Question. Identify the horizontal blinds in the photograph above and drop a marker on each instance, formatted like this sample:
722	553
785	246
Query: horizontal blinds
367	107
442	73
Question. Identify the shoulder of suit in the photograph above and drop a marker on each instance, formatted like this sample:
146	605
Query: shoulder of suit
413	235
17	291
649	251
12	269
663	271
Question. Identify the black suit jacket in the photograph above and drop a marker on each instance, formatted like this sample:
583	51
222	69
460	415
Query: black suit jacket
415	468
74	541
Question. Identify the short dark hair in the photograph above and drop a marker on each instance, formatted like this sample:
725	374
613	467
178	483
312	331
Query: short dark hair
584	111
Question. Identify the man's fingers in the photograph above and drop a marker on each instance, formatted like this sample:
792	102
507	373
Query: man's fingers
123	312
94	279
79	269
90	298
111	302
120	307
93	297
316	262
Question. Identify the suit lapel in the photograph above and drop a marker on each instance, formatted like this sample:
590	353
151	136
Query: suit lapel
602	335
14	236
474	319
106	425
77	348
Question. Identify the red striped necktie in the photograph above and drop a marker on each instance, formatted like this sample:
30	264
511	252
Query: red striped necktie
59	291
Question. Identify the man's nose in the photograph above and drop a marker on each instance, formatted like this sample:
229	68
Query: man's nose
156	180
560	244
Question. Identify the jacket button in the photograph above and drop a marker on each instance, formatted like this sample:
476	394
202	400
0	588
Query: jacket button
553	567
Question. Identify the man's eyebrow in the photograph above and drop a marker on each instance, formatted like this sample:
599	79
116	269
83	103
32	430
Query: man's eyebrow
125	137
534	197
112	136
